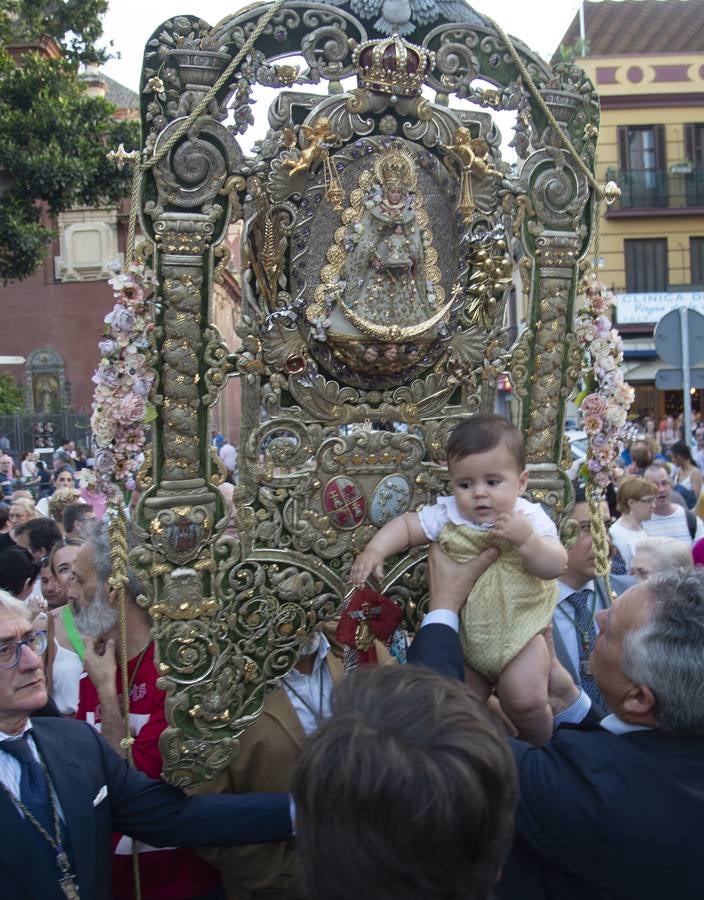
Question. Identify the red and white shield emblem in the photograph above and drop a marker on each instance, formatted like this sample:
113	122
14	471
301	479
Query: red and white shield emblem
344	502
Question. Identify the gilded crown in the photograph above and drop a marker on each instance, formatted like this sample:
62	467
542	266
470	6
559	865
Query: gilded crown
392	66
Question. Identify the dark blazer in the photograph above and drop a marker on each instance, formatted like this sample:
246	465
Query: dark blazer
100	793
601	816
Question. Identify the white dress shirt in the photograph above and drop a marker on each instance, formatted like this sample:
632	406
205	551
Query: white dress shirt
577	712
310	694
10	768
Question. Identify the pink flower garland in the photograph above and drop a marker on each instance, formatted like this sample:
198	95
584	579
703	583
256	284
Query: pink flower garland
607	396
124	379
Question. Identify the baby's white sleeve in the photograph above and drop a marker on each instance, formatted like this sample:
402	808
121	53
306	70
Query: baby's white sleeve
542	524
432	518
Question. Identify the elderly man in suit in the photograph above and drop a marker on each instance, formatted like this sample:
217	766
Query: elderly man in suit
610	809
64	790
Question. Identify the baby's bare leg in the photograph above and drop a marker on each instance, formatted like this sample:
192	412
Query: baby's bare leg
477	683
523	691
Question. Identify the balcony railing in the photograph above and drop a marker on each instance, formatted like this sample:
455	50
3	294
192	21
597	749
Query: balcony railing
658	189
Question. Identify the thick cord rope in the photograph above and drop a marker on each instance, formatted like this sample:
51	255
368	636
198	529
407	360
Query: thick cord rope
117	534
600	541
537	96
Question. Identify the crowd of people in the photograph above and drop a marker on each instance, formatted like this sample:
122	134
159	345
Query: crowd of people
657	492
528	755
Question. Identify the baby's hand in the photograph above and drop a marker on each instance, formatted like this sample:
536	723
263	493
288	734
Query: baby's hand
368	562
514	527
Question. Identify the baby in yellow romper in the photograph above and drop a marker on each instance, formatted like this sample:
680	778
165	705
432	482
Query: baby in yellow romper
513	601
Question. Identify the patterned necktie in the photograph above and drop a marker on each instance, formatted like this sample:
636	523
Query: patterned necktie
34	787
618	566
583	604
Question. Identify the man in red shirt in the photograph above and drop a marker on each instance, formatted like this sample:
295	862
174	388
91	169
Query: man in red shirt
166	873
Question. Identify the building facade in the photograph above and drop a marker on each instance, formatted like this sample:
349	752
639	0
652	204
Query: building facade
646	59
55	318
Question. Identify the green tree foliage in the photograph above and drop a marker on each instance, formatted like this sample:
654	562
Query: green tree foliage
11	396
53	137
74	24
571	53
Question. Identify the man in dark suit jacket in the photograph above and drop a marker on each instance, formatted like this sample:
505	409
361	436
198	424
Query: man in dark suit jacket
94	791
610	810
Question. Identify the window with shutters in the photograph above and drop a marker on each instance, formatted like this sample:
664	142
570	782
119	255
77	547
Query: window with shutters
643	166
646	265
696	256
694	148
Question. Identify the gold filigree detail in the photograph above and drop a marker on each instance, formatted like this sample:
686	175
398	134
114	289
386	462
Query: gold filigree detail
393	167
144	477
268	246
472	155
319	138
395	333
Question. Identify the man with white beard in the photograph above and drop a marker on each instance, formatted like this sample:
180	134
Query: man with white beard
170	873
267	756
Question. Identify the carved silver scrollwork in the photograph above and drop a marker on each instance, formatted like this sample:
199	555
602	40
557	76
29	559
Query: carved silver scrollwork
194	172
558	191
342	428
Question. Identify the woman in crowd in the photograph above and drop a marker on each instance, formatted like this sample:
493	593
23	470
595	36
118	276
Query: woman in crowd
21	511
88	486
43	480
5	534
63	478
17	572
650	433
67	646
28	468
686	476
635	500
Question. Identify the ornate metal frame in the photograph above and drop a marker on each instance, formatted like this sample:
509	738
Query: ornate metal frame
230	612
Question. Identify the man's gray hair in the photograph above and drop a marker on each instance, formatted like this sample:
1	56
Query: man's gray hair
99	537
11	605
667	654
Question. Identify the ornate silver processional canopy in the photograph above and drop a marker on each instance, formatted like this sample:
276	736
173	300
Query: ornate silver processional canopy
380	227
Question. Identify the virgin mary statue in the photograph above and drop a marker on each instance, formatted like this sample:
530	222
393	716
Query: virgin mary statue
383	267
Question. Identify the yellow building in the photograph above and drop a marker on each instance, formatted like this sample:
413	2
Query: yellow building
646	59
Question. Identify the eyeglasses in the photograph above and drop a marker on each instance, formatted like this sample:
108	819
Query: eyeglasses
586	528
10	651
